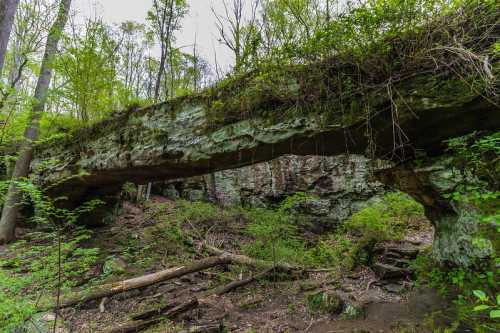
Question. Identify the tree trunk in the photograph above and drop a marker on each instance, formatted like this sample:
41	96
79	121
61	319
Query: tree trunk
10	211
7	14
159	76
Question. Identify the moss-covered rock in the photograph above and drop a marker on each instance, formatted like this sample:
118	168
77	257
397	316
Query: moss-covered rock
325	301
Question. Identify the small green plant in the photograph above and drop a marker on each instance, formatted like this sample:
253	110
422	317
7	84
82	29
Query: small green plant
276	237
336	250
477	288
276	232
486	304
37	269
14	308
324	301
388	219
294	201
129	191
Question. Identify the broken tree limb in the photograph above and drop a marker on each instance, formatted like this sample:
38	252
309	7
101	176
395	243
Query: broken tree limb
220	258
241	283
138	325
247	261
218	291
145	280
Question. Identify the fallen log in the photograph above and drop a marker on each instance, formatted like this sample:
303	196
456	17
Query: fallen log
138	325
256	263
111	289
220	258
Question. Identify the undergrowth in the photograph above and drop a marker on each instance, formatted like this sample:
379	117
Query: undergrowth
274	235
476	288
30	273
48	264
278	234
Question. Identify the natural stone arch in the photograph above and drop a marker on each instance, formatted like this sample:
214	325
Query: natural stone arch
181	139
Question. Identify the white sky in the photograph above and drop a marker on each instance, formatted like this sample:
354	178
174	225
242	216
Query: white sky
199	21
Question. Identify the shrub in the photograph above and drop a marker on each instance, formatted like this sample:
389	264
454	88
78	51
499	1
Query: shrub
385	220
14	308
324	301
276	233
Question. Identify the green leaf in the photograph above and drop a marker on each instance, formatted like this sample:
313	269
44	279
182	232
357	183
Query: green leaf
495	314
498	299
480	294
481	307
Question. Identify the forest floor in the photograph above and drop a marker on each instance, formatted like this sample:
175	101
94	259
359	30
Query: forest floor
136	244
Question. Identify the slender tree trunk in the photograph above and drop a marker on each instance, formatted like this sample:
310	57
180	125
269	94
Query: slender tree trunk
160	74
165	36
7	13
10	211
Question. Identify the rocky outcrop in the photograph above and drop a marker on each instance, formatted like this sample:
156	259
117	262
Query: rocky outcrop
340	185
458	239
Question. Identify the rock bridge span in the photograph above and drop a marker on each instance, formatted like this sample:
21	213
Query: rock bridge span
165	142
197	135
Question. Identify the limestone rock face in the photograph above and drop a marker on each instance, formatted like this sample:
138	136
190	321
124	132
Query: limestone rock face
180	138
340	184
458	238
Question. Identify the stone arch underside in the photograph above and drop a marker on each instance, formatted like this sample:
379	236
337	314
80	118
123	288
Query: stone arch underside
179	139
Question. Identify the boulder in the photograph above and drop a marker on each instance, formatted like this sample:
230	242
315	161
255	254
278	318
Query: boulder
386	271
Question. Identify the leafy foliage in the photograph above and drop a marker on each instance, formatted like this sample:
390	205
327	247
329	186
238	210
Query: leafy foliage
324	301
92	54
276	233
474	158
57	261
477	290
33	273
387	219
